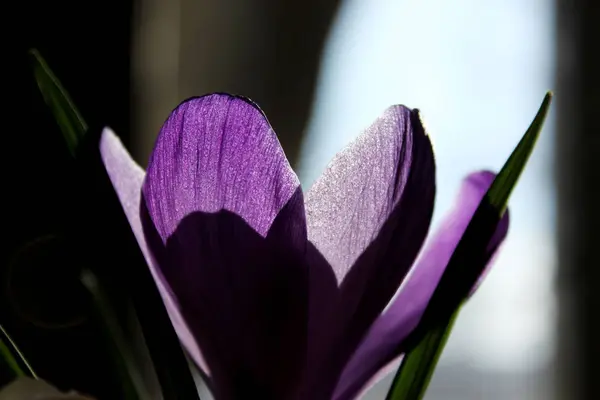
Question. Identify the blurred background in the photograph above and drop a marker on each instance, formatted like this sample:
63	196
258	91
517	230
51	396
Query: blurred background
323	70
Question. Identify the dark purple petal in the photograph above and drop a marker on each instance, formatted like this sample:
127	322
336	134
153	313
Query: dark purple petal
368	214
385	338
225	216
217	152
127	177
244	297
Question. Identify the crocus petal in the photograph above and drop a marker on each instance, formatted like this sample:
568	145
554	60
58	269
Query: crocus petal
245	299
224	216
384	340
368	215
354	197
126	177
217	152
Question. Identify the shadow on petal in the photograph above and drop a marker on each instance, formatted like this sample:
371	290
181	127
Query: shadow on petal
387	337
244	296
380	269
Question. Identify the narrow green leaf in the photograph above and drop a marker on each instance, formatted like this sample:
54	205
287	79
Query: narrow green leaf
507	178
167	356
415	372
71	124
464	268
133	384
169	360
13	357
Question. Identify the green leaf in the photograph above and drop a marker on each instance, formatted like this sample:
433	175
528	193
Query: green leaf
13	358
418	365
71	124
169	360
128	370
426	343
167	356
507	178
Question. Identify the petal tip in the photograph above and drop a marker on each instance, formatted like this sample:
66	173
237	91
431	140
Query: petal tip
407	118
397	112
221	96
108	138
481	179
212	152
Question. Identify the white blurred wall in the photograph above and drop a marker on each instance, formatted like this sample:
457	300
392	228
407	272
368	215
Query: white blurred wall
478	71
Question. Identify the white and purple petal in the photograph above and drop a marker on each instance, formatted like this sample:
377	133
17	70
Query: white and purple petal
368	215
384	340
127	177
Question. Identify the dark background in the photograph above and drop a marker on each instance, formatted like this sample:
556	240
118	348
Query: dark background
87	46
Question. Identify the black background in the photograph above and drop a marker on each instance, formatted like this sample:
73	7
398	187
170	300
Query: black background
87	46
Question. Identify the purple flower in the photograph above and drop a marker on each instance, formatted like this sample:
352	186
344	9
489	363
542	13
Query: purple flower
273	295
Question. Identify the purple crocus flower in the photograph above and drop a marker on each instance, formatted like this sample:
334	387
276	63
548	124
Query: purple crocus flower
275	295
